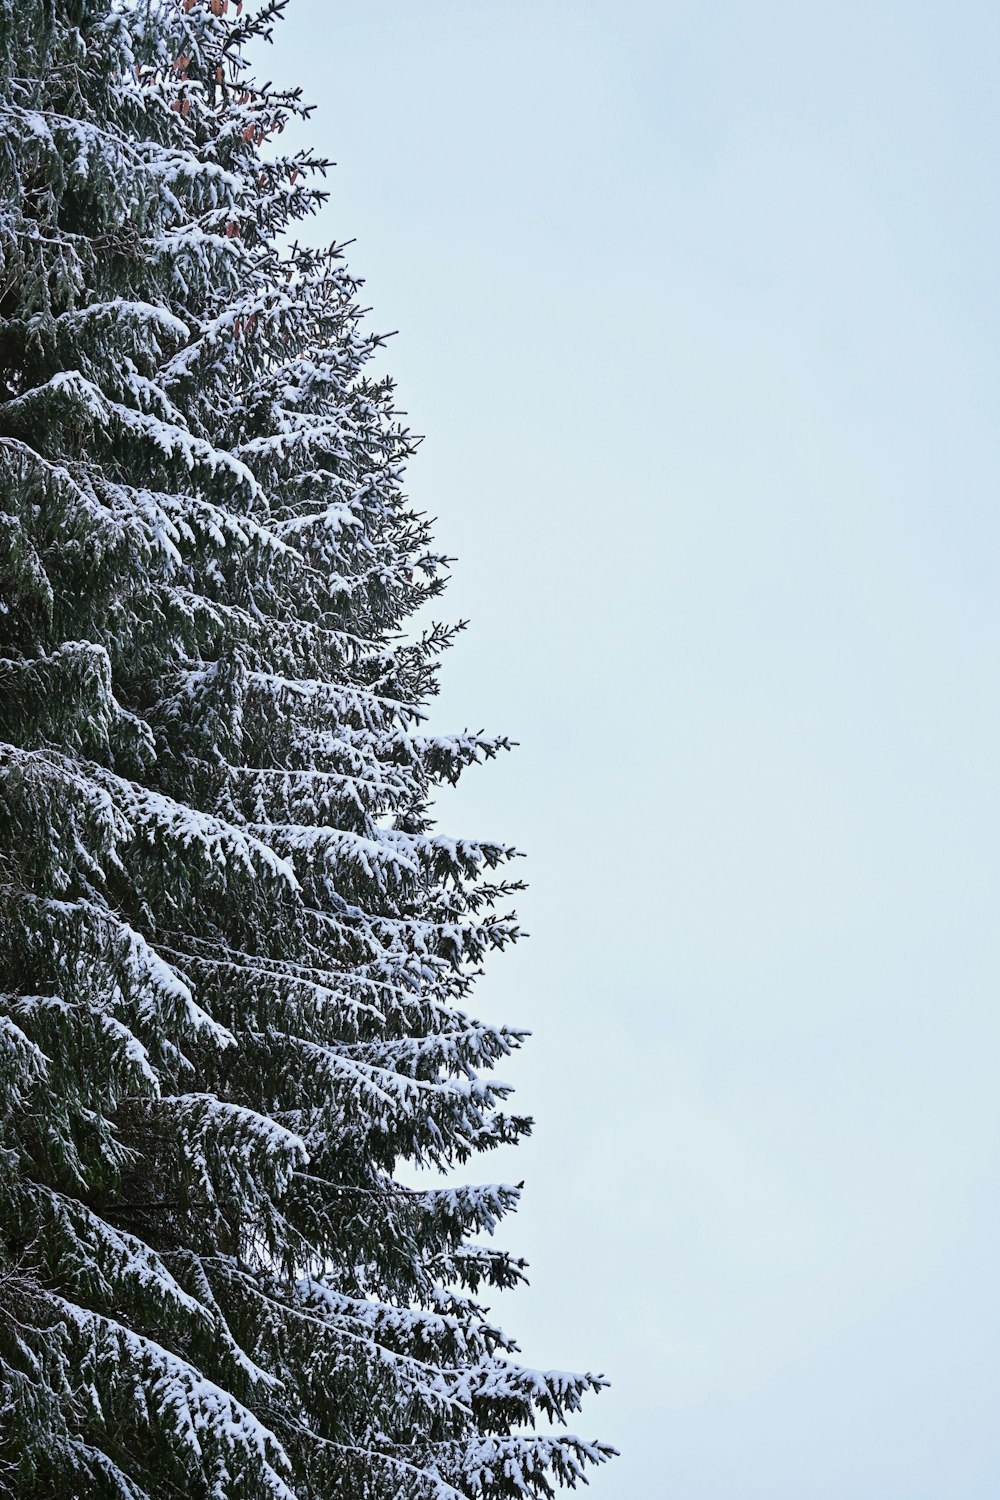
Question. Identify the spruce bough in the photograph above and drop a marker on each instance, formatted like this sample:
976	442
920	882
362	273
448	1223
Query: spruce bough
235	956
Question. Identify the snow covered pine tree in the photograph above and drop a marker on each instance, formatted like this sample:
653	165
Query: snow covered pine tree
235	958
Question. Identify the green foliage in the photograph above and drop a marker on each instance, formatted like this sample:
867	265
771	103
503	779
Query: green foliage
235	956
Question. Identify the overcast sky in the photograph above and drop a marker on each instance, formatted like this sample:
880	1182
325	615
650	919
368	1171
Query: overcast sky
698	309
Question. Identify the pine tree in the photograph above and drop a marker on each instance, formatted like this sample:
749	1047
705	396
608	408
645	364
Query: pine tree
235	956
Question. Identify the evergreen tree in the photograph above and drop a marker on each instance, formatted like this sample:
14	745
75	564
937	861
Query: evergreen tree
235	957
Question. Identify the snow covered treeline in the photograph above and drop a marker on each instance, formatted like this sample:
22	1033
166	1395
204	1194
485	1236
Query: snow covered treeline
235	957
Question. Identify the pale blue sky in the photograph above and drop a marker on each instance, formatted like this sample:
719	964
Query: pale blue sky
699	311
